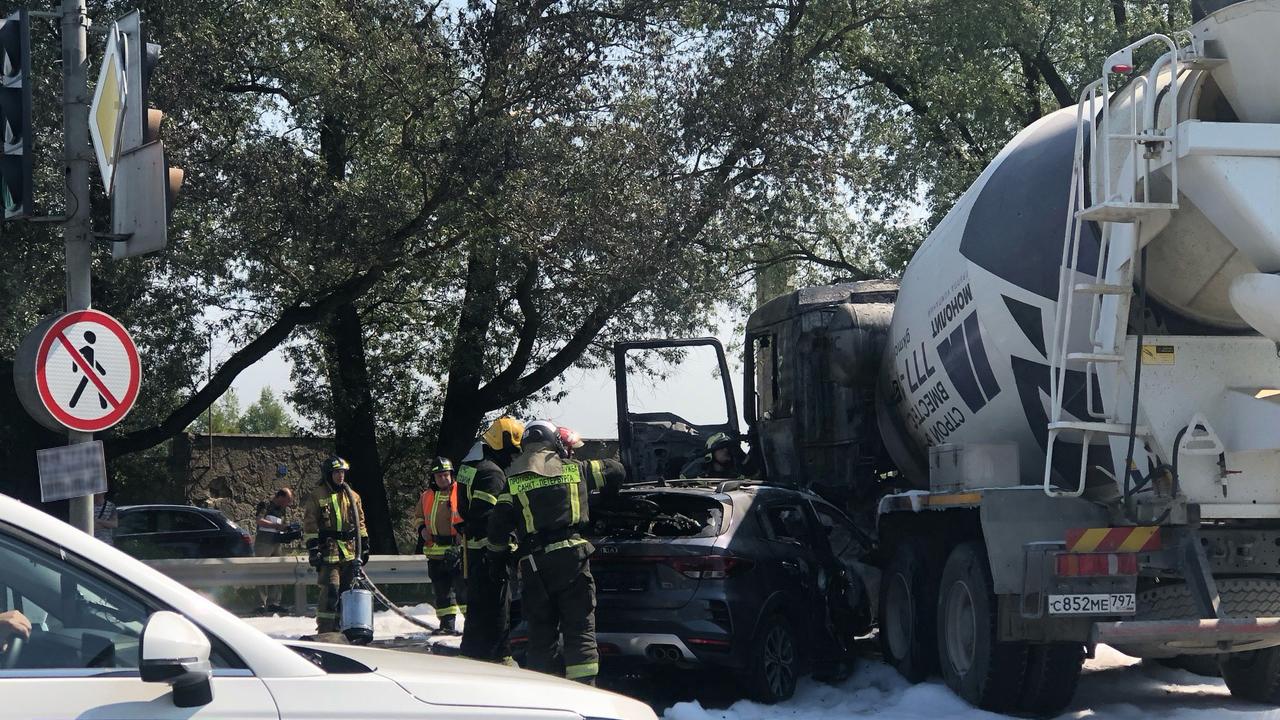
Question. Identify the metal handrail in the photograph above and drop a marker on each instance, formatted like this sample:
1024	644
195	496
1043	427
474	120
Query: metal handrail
284	570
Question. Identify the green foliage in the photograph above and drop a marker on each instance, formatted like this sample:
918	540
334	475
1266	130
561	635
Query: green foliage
267	416
222	417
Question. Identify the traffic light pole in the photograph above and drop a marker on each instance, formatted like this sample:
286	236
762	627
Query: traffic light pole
77	232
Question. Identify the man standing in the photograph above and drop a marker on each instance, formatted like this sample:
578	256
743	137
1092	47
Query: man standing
334	515
274	531
487	634
438	518
546	504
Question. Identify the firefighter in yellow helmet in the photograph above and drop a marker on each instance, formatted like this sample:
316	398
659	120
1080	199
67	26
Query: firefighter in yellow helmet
439	517
487	635
333	517
546	505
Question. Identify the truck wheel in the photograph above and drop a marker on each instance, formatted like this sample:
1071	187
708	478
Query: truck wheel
908	608
1253	675
1052	674
775	661
983	671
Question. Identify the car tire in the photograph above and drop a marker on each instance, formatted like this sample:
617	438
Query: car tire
1253	675
908	610
775	661
976	666
1053	672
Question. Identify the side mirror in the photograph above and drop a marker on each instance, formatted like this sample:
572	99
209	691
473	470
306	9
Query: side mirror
176	652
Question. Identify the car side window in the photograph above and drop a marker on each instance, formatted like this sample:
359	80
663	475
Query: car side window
183	521
841	535
133	523
787	522
80	621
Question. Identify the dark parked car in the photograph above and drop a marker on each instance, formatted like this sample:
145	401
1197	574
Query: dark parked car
758	581
179	531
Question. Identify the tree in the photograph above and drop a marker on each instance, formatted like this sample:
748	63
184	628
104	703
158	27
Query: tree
267	416
222	417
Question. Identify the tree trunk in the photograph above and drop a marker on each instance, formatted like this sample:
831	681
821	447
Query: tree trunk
355	429
463	412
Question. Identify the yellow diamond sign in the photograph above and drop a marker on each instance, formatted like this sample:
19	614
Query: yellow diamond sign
106	114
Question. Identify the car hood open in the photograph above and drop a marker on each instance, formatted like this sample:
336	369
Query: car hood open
442	680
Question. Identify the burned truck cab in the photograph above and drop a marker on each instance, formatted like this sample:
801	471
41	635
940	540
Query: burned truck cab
810	367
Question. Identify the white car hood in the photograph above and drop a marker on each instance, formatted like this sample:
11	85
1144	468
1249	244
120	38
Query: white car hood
442	680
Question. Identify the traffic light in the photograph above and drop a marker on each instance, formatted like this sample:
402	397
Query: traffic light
15	115
146	186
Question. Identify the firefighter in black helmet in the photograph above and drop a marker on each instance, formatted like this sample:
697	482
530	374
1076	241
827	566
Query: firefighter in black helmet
722	458
333	517
439	518
546	504
487	635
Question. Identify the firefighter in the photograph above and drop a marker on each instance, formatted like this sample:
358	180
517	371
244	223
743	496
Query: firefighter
487	634
546	504
569	441
332	518
722	458
439	518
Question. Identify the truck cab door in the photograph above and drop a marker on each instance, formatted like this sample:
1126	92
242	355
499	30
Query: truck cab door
664	426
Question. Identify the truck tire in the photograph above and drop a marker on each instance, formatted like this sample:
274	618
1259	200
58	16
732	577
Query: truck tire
985	672
908	611
1052	674
1253	675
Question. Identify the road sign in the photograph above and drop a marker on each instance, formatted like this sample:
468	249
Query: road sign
106	114
72	471
78	371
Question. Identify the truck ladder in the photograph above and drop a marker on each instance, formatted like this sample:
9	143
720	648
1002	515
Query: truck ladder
1119	206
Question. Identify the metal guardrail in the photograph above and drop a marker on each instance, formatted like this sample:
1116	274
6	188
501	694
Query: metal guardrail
285	570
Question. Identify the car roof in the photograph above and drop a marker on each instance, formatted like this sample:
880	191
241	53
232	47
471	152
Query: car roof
174	506
713	488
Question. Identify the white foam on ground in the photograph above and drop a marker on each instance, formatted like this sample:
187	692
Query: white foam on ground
1113	686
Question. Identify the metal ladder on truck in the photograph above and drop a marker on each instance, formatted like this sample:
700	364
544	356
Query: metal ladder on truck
1118	206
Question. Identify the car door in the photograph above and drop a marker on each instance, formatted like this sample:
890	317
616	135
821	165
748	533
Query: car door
789	536
81	660
843	548
185	533
135	532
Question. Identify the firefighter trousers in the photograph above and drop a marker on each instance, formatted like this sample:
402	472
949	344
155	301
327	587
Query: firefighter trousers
559	603
446	581
487	634
334	579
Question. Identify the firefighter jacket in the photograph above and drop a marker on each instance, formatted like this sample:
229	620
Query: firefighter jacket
545	502
330	517
482	483
438	512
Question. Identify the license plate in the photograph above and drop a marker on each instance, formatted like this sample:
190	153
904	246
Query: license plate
1093	604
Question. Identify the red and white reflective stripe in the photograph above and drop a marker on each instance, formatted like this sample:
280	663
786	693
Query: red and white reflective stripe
1096	564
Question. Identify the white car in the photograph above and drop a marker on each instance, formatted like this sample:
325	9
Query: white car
113	638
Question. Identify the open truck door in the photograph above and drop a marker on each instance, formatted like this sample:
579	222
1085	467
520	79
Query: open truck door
658	434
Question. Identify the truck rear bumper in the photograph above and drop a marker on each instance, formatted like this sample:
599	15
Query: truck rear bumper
1192	637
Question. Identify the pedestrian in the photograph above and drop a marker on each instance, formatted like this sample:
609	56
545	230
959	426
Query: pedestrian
274	532
546	505
487	634
333	519
105	518
439	518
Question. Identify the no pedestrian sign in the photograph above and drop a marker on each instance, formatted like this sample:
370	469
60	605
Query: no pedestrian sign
79	370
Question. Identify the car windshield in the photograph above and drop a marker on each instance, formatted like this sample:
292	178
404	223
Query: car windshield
660	514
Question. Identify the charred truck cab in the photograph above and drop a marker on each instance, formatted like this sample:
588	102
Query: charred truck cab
1062	428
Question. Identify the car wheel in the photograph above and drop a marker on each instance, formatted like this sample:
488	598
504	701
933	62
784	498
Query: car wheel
985	672
908	605
775	661
1253	675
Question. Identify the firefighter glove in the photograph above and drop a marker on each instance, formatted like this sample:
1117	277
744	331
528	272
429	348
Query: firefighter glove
364	555
314	556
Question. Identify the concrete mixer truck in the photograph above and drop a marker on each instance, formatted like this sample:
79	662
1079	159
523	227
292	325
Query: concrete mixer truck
1062	425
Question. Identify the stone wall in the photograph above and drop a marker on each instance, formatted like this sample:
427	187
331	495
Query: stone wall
233	473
